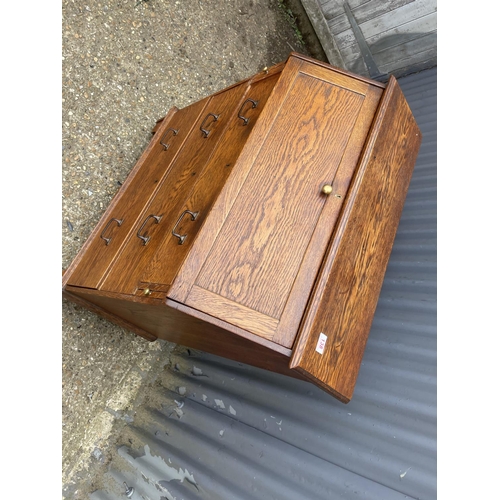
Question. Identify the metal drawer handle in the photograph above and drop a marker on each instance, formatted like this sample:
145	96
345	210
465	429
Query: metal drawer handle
145	239
254	105
183	236
204	131
174	132
118	221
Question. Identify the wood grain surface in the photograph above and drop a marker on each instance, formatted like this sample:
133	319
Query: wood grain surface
171	196
346	292
277	208
264	259
170	255
95	257
291	316
192	265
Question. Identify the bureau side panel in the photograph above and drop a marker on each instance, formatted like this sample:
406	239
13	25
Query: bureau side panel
344	300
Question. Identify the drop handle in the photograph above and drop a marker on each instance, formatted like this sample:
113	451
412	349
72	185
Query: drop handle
204	126
144	238
240	113
182	237
118	222
162	140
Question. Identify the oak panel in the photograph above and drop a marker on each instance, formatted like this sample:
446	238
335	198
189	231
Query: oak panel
345	296
229	193
211	181
278	207
292	313
96	257
232	312
171	195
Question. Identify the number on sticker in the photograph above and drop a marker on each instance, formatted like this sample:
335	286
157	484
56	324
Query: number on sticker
320	346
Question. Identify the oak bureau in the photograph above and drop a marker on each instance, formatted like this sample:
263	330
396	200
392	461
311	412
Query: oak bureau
258	223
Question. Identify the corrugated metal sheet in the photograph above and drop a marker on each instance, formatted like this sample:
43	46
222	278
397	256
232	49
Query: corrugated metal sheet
215	429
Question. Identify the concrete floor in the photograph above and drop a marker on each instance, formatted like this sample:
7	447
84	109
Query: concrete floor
124	65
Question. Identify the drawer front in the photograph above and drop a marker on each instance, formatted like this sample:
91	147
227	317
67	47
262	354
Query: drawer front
114	228
256	269
161	271
163	214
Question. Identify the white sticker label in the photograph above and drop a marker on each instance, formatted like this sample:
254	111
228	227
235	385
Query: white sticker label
320	346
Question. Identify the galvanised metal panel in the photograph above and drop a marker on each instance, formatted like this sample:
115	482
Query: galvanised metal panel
217	429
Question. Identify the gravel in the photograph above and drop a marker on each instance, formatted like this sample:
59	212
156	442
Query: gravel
125	63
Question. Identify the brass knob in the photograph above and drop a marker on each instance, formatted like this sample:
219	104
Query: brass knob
327	189
147	291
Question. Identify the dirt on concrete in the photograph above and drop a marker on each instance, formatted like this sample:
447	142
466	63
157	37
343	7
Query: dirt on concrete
125	64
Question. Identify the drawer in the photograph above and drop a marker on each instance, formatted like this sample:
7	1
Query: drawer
161	271
106	241
161	214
